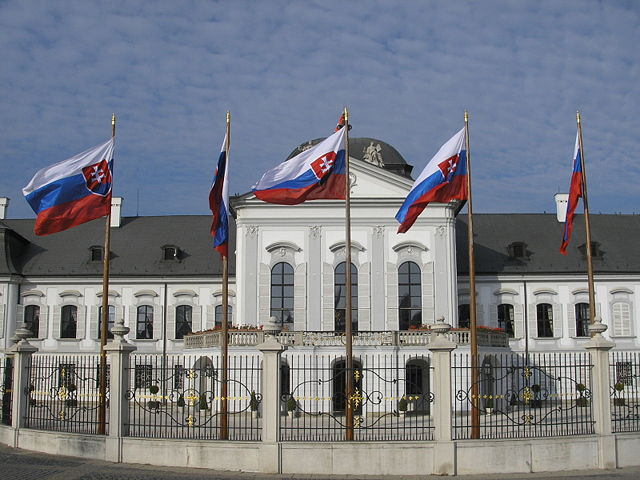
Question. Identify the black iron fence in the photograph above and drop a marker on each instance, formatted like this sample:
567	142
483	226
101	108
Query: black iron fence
625	391
63	393
539	395
6	388
391	397
181	397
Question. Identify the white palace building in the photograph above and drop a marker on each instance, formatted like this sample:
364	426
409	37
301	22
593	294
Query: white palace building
288	262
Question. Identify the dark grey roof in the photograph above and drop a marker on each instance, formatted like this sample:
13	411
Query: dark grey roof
136	248
617	236
391	158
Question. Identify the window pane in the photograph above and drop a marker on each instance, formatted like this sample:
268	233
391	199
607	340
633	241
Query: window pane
144	323
68	321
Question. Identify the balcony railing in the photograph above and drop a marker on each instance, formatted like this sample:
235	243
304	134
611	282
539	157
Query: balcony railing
247	338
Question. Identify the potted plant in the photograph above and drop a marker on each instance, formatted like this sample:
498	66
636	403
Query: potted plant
254	403
292	405
403	405
488	405
619	401
582	401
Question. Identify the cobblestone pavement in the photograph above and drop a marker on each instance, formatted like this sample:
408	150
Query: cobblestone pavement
16	464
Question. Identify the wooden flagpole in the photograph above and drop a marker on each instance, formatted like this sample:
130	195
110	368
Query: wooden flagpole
349	374
224	416
102	394
473	334
587	224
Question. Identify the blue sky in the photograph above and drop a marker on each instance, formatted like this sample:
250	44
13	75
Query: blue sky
406	70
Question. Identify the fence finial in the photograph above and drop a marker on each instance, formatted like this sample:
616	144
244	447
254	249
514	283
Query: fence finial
119	331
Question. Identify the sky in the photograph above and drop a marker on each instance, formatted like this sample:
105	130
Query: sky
406	70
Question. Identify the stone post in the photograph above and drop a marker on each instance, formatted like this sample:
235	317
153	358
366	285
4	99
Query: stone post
271	351
441	348
599	348
22	352
119	350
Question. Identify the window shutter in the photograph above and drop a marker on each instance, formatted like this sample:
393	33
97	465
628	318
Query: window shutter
157	322
264	293
393	320
210	320
533	321
571	319
57	313
43	326
3	308
93	324
518	321
133	321
557	320
300	297
19	316
196	319
621	319
599	310
364	297
480	315
428	294
81	322
327	298
493	315
171	322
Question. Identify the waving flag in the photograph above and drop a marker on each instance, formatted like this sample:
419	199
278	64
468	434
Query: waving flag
575	193
73	191
442	180
219	203
317	173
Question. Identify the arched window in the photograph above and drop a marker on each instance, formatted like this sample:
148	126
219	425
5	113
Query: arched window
340	299
69	321
144	322
505	318
110	320
464	315
184	321
409	295
218	316
282	293
544	317
582	319
32	319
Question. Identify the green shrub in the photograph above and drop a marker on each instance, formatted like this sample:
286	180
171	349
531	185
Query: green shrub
403	405
253	403
291	404
154	389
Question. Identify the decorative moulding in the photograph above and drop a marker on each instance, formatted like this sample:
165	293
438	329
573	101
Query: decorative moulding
32	293
505	291
341	245
409	246
218	293
613	291
283	245
185	293
70	293
145	293
545	291
580	291
112	293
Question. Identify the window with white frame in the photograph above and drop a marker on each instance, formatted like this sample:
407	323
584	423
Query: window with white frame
68	321
184	320
144	322
282	281
621	319
544	319
409	295
506	318
582	319
340	298
111	317
218	316
32	319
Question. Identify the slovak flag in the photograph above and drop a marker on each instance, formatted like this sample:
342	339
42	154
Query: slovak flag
219	203
317	173
73	191
443	179
575	193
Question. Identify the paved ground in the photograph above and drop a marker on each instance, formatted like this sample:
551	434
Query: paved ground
16	464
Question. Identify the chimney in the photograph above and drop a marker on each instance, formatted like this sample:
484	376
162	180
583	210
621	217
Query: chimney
4	203
561	206
116	211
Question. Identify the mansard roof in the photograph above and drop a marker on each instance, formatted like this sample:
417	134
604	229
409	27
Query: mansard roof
136	248
615	235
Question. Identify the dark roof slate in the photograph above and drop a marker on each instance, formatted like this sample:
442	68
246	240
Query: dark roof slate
136	248
542	233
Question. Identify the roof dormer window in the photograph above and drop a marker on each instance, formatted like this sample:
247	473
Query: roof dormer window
96	253
170	253
518	250
595	250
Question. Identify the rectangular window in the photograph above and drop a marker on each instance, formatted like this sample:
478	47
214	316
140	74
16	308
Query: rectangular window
545	320
505	318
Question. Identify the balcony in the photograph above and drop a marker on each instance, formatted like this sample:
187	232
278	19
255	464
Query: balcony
248	338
